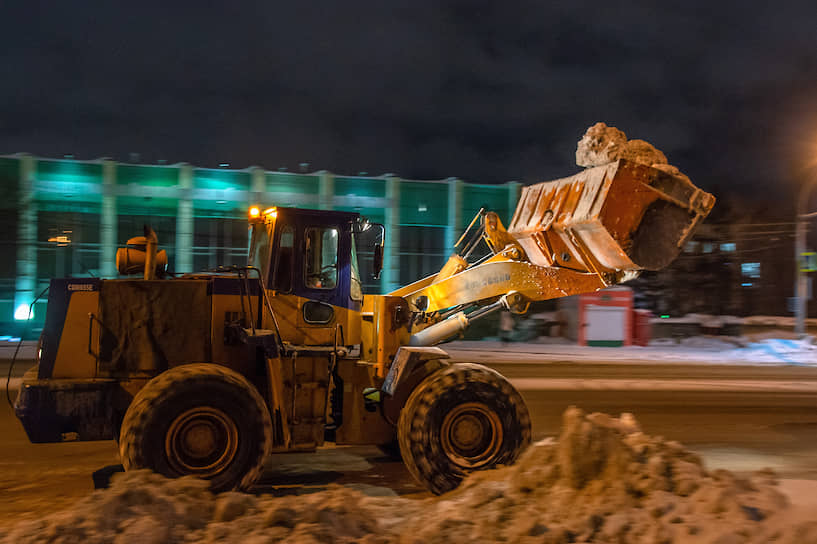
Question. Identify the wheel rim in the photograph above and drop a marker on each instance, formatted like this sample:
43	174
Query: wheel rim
471	435
201	441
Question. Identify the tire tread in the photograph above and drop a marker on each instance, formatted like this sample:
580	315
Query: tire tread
411	426
160	388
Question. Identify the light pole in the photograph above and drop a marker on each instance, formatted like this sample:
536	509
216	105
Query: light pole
800	279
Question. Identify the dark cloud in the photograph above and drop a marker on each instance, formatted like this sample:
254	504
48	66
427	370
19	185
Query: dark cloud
484	90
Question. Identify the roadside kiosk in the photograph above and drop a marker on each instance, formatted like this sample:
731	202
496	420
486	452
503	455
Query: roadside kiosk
606	317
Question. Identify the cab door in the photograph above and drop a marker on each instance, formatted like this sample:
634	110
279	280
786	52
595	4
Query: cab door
310	277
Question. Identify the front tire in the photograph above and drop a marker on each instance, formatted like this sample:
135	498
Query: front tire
460	419
202	420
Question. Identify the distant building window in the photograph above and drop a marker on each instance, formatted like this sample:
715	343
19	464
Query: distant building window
708	246
750	270
691	247
729	246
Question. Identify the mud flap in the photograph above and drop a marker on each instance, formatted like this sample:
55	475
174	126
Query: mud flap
405	373
406	360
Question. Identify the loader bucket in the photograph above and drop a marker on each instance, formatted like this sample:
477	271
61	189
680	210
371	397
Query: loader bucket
620	216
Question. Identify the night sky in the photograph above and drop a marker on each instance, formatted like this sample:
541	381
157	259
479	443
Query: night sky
485	91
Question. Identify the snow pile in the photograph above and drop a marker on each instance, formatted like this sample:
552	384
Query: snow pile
603	481
145	508
602	145
606	481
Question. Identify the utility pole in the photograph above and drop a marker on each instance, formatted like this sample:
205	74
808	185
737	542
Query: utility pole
800	278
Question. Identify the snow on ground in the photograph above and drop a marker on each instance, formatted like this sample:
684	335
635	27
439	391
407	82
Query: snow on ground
696	349
737	350
774	350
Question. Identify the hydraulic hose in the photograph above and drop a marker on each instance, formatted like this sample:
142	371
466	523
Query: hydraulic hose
17	351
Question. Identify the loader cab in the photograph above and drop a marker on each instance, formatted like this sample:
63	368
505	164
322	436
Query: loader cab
309	257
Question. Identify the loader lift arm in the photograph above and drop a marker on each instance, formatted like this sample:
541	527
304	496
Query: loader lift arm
576	235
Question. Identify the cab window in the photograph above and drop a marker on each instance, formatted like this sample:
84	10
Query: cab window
282	280
259	247
321	255
356	291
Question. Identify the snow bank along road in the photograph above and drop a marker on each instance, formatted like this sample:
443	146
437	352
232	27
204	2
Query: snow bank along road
697	350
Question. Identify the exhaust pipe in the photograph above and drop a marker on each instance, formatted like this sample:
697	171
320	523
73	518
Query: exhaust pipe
150	253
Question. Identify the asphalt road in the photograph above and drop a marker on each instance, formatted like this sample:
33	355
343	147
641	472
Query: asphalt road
739	418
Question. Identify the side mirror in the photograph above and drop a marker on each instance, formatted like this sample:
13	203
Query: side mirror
378	261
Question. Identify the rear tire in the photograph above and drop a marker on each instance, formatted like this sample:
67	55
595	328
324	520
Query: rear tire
460	419
202	420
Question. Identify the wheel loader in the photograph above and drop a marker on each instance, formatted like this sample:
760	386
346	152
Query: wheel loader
207	374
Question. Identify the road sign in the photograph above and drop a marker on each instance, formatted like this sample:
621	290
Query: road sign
808	261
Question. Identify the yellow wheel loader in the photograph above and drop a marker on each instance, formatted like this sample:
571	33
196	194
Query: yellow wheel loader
207	374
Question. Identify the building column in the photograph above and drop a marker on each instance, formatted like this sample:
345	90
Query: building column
514	190
258	187
390	277
326	190
184	221
26	281
108	221
452	230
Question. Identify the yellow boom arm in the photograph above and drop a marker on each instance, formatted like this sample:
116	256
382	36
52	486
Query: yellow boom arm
570	236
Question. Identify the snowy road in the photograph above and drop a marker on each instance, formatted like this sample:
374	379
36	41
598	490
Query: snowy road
738	416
